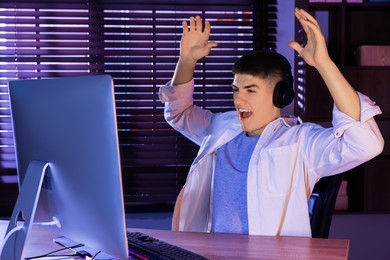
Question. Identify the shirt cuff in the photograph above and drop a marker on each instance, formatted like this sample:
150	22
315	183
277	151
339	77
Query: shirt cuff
169	93
341	121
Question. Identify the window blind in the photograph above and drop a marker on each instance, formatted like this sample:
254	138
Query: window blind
300	77
137	42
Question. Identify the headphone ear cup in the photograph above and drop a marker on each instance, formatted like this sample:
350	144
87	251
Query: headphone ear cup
283	94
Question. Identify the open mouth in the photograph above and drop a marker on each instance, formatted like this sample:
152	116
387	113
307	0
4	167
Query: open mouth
244	113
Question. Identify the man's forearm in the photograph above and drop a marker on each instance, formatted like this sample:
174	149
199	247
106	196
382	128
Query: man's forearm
184	71
343	94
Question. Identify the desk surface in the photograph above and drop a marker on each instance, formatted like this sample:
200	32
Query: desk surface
215	246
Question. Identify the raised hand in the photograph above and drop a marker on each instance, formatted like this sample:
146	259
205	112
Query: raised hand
315	51
194	46
195	40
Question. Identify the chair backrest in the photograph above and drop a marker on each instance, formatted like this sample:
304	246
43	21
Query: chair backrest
322	203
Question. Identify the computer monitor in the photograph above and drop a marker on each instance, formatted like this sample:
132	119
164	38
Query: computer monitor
68	125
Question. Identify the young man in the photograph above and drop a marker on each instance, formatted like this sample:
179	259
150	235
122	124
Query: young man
255	170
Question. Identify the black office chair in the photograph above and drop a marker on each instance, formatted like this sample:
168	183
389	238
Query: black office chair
322	203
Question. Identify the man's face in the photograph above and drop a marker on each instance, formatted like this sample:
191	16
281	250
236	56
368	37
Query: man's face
253	101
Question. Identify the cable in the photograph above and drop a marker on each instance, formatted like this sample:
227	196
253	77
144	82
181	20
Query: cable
96	255
55	251
9	234
43	256
54	222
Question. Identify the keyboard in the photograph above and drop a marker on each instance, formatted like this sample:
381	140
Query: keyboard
142	246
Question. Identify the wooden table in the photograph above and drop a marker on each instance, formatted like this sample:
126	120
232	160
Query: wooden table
215	246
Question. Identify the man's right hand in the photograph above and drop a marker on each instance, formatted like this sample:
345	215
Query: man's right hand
194	46
195	40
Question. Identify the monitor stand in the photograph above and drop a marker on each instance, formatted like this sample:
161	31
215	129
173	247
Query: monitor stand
26	203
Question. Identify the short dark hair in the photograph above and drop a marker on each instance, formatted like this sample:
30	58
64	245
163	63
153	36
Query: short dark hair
263	64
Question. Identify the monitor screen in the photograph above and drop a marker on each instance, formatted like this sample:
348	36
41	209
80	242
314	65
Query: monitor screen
71	124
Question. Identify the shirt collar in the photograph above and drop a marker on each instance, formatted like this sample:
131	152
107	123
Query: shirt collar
287	121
